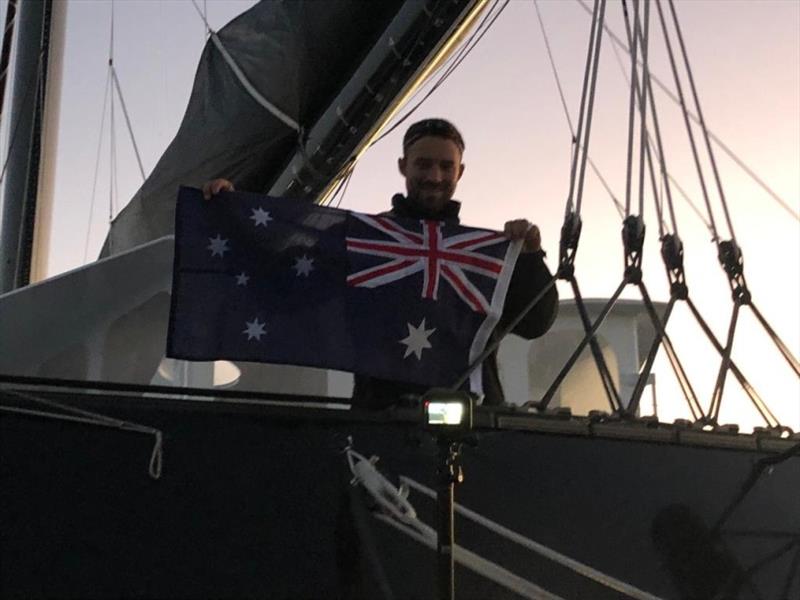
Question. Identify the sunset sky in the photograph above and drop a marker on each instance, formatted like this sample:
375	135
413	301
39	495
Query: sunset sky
746	60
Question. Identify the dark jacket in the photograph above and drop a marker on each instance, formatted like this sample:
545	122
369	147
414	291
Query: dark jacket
529	277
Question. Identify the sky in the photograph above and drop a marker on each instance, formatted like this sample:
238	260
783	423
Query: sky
745	55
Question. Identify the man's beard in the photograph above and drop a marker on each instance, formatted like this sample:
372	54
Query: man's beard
425	204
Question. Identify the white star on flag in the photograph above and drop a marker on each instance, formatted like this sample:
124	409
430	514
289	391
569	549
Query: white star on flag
254	329
417	339
303	265
218	245
261	217
242	278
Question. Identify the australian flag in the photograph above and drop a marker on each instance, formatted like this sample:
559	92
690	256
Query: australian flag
283	281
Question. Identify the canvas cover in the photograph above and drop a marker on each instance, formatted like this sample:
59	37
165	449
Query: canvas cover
299	56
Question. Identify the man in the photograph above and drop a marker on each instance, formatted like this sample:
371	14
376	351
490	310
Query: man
432	166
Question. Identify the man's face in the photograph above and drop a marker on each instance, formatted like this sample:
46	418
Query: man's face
432	167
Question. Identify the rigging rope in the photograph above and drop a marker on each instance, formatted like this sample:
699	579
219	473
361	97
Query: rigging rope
643	108
634	49
685	113
581	141
724	147
703	127
96	168
553	68
127	120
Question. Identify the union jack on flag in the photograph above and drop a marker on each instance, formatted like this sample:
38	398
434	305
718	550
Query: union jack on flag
436	255
280	281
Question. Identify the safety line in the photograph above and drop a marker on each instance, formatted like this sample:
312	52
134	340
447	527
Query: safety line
92	418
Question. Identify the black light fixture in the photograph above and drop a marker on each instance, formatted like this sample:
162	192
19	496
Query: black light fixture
448	410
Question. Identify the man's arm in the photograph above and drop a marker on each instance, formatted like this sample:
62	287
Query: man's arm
530	276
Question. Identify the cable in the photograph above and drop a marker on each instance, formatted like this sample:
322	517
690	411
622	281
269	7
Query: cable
685	113
725	148
634	48
596	171
590	109
127	120
578	138
703	127
96	168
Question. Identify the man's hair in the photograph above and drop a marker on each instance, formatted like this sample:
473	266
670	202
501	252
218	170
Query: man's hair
432	127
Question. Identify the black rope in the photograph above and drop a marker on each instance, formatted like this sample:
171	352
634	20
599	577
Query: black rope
784	349
634	51
560	89
598	39
685	113
577	139
758	403
719	386
548	395
703	127
642	97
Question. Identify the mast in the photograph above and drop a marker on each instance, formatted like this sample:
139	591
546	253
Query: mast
32	122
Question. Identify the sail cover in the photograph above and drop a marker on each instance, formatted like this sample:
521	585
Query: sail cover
300	57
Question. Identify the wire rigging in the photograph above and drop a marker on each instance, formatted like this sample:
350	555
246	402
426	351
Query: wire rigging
560	88
725	148
703	127
96	168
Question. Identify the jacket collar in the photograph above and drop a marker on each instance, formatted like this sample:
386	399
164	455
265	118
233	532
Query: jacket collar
402	207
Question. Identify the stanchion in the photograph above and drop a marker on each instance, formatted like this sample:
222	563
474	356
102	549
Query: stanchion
448	415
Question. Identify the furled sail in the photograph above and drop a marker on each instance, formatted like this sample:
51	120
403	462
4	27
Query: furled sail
331	70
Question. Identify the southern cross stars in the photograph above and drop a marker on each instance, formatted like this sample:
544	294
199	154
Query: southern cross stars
303	265
417	340
242	278
254	329
261	217
218	246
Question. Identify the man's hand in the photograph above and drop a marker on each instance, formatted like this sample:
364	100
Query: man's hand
215	186
521	229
